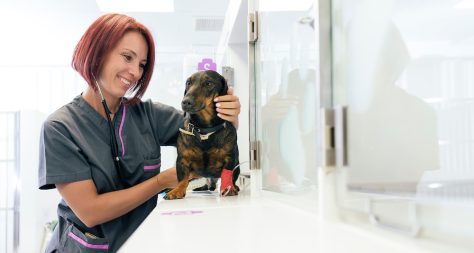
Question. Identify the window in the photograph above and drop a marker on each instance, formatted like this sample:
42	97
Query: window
9	174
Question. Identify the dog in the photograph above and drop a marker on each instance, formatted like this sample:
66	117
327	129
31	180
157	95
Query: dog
207	144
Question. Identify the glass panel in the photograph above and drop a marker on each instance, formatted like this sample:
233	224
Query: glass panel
287	96
3	231
6	136
3	184
11	231
11	184
405	71
8	180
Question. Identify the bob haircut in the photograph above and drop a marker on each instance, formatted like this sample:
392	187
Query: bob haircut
98	41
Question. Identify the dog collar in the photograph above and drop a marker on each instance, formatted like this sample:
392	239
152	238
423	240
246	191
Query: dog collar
201	133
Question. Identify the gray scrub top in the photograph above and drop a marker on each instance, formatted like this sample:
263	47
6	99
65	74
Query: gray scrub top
75	146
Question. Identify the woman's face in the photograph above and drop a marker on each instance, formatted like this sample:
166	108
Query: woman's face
124	66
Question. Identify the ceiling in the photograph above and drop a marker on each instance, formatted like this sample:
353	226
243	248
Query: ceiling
47	30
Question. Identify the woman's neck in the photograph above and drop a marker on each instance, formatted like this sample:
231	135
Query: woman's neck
93	99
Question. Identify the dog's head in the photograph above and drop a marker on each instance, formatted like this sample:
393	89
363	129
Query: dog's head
201	89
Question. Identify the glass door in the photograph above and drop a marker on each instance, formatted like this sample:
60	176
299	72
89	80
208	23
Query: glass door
404	70
287	97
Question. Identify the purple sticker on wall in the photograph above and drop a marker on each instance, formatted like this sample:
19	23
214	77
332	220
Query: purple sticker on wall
185	212
207	64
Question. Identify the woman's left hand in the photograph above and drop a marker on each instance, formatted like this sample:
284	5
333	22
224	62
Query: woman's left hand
228	107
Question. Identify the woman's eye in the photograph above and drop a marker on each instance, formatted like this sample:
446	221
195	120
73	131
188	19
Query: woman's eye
127	57
142	66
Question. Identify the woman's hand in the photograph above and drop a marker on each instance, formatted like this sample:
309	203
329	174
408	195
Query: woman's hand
228	107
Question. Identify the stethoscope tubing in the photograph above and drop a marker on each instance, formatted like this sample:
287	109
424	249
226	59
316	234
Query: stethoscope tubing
113	137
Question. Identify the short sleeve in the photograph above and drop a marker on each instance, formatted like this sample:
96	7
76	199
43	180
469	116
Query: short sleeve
166	121
61	160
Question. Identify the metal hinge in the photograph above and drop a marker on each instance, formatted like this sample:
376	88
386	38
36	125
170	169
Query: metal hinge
228	74
334	122
255	155
253	27
329	137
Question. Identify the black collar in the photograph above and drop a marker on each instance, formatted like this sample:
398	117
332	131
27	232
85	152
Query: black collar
201	133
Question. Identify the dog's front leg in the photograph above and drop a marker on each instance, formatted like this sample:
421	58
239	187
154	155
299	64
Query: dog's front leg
228	187
180	190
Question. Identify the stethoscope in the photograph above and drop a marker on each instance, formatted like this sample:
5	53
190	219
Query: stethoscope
113	141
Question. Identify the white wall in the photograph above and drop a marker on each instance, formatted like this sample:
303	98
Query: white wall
36	207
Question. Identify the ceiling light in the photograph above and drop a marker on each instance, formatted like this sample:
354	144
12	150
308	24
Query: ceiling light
284	5
136	5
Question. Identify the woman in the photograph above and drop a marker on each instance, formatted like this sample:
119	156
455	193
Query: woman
105	197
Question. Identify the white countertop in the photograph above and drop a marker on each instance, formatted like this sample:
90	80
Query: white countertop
205	222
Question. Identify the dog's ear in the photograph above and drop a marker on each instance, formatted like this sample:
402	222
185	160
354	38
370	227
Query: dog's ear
224	88
186	85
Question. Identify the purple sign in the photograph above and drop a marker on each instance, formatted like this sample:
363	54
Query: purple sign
207	64
185	212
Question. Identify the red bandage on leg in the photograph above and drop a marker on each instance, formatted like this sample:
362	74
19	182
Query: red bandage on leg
226	181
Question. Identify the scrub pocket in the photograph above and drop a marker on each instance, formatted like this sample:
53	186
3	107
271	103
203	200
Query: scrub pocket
152	166
75	241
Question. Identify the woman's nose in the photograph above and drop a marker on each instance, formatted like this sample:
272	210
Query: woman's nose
135	70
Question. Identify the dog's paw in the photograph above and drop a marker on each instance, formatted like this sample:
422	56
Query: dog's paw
174	195
202	188
231	190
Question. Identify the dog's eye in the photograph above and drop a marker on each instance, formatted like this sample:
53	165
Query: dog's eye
209	84
188	83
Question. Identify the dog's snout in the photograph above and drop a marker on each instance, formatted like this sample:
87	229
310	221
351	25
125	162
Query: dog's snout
187	103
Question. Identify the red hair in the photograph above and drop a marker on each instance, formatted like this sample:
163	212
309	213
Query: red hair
99	40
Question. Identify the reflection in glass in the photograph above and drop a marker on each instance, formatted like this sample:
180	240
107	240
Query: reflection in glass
287	95
407	83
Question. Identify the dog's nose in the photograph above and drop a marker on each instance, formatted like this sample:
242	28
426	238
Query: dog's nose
187	103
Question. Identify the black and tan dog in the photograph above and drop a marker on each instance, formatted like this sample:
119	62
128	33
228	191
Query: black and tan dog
207	145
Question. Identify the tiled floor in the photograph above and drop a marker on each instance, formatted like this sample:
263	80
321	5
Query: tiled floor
205	222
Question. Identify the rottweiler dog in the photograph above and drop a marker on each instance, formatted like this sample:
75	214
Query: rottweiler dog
207	144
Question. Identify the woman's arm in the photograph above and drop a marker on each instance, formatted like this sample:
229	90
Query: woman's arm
94	209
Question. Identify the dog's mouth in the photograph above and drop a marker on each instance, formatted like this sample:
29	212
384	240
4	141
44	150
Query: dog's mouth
193	109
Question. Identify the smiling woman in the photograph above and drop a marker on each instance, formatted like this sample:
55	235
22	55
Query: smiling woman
105	198
130	41
122	72
38	65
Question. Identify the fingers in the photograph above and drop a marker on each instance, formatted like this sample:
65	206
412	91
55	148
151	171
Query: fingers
231	119
230	91
227	98
228	112
228	107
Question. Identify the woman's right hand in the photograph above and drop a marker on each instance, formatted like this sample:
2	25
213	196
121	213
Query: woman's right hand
167	178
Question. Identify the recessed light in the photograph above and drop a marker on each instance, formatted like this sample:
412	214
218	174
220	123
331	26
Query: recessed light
136	5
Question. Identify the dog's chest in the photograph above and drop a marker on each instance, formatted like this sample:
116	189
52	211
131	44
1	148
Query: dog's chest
206	158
